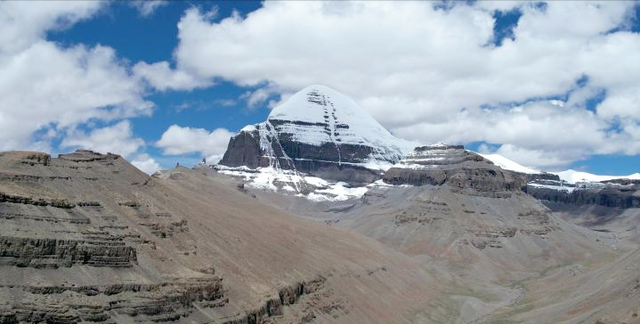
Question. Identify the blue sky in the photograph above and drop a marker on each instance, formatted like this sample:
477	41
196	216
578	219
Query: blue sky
527	80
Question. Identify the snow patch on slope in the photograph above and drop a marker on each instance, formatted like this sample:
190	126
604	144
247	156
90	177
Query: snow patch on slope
291	182
507	164
559	186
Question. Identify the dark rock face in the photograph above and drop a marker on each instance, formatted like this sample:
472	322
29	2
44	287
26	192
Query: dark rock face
541	177
452	165
280	150
52	253
168	301
607	196
243	149
288	295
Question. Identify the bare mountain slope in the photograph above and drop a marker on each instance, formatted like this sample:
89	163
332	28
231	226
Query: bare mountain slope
487	241
601	293
87	237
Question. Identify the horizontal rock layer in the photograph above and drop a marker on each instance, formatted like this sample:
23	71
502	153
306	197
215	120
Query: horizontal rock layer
454	166
609	196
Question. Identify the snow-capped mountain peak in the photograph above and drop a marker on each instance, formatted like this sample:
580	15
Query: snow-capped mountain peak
317	133
318	114
315	129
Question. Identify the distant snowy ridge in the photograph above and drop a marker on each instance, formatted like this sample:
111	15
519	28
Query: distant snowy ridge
572	176
569	176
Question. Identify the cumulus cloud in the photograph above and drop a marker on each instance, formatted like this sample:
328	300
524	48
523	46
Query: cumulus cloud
178	140
46	89
117	139
146	164
162	77
430	73
23	24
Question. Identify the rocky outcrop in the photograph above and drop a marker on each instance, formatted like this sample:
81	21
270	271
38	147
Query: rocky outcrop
453	165
69	213
288	295
161	302
88	156
58	203
542	177
53	253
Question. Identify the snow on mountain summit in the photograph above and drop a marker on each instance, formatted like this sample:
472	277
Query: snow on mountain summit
316	129
324	115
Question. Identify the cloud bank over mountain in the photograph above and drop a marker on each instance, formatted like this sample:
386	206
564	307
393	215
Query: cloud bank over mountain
433	73
544	83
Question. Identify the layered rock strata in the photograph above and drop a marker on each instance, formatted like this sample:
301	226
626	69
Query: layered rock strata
453	165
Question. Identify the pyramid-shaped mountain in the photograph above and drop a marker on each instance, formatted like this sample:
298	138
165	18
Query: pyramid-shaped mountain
321	132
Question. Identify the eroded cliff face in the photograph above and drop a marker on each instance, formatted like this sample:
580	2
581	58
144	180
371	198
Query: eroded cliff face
87	237
460	169
613	195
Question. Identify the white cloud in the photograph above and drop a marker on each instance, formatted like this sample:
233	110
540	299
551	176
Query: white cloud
45	88
148	7
178	140
117	139
256	97
162	77
429	75
23	24
545	160
146	164
425	73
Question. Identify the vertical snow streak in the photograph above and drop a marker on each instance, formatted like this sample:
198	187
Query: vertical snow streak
331	122
268	135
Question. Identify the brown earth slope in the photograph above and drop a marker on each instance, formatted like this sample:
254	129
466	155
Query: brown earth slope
89	238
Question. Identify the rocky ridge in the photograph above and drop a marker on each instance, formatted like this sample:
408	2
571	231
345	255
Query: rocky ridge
620	193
